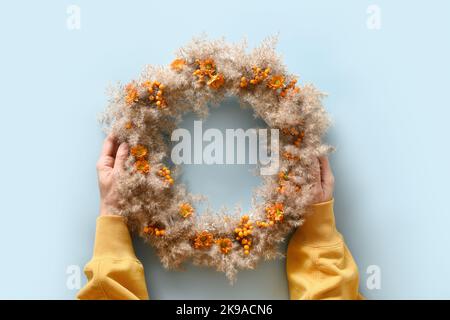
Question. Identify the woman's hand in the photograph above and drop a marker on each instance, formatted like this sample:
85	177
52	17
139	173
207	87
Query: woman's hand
109	165
324	185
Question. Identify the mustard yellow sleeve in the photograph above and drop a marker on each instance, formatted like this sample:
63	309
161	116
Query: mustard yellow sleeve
319	264
114	272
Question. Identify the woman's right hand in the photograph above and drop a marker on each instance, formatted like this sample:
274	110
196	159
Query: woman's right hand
324	186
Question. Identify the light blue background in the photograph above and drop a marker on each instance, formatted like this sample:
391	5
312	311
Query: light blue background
388	95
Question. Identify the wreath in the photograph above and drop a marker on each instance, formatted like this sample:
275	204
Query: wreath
145	111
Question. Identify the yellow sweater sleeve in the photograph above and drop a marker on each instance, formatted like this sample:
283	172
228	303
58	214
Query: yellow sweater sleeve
114	272
319	264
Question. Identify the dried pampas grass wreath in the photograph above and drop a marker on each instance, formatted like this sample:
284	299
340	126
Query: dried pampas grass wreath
145	112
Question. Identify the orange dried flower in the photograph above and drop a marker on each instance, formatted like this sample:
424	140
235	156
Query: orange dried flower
131	93
142	166
186	210
206	69
203	240
178	64
275	213
283	176
139	151
290	86
207	65
216	81
276	82
225	245
128	125
281	188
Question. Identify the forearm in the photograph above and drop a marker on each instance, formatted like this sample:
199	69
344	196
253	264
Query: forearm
319	264
114	272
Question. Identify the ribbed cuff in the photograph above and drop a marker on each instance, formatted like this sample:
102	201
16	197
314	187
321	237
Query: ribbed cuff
112	238
319	228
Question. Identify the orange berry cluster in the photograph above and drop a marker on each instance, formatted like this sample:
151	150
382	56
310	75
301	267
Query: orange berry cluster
186	210
203	240
243	233
264	224
259	75
206	72
140	153
156	93
297	136
154	231
165	173
225	245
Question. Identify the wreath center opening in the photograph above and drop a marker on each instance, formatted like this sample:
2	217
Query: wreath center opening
216	161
